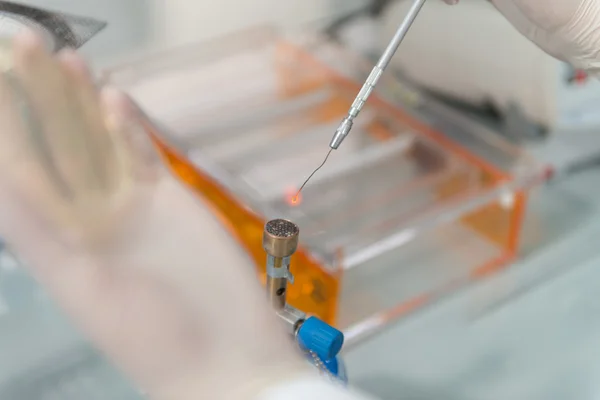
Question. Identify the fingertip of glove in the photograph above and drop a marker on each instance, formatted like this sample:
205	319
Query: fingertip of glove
117	110
117	102
75	65
28	49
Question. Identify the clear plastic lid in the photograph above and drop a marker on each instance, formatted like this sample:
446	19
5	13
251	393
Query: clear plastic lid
416	199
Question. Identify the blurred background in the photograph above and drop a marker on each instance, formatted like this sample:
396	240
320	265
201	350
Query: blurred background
465	266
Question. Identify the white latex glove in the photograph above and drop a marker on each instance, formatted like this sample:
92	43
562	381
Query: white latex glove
140	264
566	29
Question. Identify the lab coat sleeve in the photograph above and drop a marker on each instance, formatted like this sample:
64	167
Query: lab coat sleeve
312	388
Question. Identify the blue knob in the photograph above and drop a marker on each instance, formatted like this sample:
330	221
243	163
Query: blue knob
321	338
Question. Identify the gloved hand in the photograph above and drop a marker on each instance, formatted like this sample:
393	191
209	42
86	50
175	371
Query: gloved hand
566	29
140	264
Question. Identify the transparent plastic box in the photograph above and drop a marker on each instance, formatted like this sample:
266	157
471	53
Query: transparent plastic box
417	201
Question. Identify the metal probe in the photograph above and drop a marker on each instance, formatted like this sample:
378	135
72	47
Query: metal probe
346	125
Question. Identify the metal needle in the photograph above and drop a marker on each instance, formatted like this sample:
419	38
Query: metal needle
295	198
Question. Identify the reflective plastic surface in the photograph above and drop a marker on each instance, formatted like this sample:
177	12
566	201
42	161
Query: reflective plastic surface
416	201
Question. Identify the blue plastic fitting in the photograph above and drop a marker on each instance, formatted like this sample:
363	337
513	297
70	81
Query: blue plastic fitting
321	338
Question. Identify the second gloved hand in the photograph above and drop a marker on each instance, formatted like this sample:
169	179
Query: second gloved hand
565	29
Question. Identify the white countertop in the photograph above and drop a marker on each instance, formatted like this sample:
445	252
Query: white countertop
530	332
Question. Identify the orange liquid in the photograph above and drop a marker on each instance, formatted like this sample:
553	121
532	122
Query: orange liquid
315	290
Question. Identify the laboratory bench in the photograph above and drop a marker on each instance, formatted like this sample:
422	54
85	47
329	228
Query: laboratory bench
531	331
528	332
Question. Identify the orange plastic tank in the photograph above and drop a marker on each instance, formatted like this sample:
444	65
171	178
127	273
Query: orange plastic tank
314	290
417	202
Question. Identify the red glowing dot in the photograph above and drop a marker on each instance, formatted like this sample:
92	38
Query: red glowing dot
581	77
292	197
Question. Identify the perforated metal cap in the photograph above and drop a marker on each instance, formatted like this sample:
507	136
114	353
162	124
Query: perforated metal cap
282	228
60	30
280	238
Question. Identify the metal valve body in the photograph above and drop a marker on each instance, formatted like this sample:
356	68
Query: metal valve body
320	341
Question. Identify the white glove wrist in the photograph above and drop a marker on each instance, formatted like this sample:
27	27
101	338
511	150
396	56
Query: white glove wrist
235	382
310	387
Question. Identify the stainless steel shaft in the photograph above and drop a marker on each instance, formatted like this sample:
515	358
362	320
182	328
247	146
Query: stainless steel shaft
346	125
280	241
389	52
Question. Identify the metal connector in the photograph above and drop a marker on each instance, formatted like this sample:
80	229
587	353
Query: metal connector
280	241
292	319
